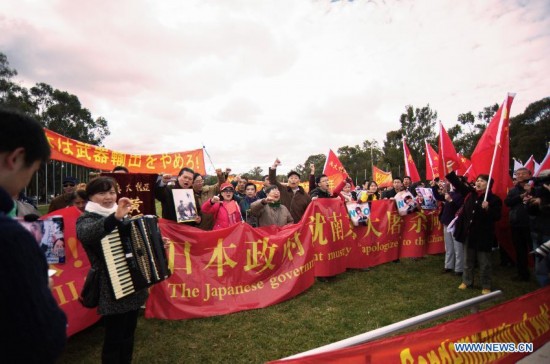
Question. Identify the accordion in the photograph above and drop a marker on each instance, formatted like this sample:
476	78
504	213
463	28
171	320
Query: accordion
134	256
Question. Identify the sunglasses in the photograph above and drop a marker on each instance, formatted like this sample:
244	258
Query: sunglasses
229	190
68	184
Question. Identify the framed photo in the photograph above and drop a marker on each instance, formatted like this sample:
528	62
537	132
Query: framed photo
184	202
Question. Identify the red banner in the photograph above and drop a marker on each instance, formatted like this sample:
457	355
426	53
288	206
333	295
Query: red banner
241	268
410	166
69	277
382	178
432	163
447	152
334	170
523	320
72	151
327	229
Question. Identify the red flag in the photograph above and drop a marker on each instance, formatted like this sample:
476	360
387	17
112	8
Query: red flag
334	169
465	168
447	151
410	167
432	163
530	164
492	153
545	164
382	178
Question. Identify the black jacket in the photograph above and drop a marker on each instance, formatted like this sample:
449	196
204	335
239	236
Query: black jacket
519	216
166	197
33	325
474	224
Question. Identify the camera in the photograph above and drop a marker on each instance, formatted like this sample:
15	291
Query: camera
539	181
543	250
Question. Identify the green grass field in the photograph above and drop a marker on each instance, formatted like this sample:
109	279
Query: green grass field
352	303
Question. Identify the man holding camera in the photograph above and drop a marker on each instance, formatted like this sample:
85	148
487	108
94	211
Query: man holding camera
538	208
517	200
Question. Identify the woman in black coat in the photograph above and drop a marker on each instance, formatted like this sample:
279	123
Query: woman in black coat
102	215
475	227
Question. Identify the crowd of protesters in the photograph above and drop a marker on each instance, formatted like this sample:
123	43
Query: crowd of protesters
469	213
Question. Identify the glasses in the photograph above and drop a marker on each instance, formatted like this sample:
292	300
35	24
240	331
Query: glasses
68	184
228	190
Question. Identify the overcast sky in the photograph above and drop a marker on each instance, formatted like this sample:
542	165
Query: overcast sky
257	79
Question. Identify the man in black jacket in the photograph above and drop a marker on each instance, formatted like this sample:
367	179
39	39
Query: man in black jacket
34	327
397	187
516	200
321	191
163	193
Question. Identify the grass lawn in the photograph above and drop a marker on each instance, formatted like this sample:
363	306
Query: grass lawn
352	303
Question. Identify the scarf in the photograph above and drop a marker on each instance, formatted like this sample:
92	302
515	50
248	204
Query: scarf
100	210
347	196
231	207
275	204
250	199
13	212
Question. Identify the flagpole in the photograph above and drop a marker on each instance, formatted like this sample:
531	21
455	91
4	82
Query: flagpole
408	173
208	155
429	158
442	148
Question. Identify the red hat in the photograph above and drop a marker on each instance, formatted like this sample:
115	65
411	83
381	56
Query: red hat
226	185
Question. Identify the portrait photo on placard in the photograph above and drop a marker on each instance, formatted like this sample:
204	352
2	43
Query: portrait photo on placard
184	202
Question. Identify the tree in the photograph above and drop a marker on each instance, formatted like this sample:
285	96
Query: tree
418	126
317	159
255	173
57	110
530	131
469	129
11	94
358	160
393	152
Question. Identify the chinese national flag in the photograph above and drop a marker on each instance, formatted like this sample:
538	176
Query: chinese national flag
492	153
466	168
545	164
432	163
410	167
334	170
382	178
447	151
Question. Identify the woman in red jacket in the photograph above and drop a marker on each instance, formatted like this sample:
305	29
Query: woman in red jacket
226	211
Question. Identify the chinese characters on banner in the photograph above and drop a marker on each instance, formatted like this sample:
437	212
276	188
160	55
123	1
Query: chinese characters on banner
139	188
241	268
72	151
